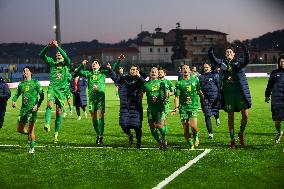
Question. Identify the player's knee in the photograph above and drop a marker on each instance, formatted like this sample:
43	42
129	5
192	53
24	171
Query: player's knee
59	113
21	130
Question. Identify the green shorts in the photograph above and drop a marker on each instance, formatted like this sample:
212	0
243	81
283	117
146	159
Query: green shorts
234	103
26	117
97	103
57	96
234	99
187	114
156	117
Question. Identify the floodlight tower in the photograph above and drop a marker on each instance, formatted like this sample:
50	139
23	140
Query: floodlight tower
57	22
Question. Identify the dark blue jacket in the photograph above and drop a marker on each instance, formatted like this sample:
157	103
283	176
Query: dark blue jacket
5	94
79	96
275	88
131	110
210	86
238	68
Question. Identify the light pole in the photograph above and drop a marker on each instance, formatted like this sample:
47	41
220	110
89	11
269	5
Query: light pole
57	22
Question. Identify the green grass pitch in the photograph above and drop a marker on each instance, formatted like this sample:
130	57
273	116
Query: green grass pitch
260	164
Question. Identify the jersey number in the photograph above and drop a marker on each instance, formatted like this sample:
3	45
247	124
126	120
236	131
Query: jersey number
154	88
188	88
95	77
58	76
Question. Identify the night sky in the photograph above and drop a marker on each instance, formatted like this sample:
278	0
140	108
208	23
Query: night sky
115	20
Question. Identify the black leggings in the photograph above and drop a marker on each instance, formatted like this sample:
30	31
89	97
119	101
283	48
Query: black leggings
209	124
138	131
2	115
78	109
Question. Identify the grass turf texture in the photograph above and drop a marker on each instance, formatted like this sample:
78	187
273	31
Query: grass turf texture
257	165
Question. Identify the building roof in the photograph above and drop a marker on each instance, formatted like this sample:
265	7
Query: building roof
200	31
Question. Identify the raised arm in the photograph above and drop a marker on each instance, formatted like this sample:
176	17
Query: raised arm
43	55
117	78
215	61
80	70
117	63
67	60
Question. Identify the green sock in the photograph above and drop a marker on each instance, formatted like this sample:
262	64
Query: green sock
32	143
242	129
70	107
58	121
48	114
96	126
101	124
155	135
232	134
166	129
189	142
163	131
64	110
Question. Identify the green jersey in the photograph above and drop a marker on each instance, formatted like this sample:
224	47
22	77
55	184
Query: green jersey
170	88
59	69
155	91
29	91
187	90
96	81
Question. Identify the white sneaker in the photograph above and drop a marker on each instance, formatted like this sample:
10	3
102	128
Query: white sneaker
278	137
86	115
32	150
64	114
196	142
71	113
55	139
79	118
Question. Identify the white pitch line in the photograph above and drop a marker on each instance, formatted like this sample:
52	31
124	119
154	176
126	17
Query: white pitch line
180	170
9	145
39	111
96	147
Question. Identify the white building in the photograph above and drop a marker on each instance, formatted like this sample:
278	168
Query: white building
153	50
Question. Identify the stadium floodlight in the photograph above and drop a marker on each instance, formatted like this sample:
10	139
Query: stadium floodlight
260	58
54	27
57	22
